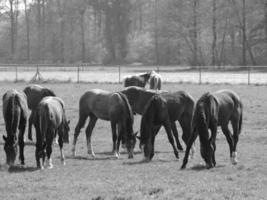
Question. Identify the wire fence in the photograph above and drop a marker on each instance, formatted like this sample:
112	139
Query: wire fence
115	74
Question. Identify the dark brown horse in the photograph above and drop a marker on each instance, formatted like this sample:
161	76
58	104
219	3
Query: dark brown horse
155	115
15	111
180	107
136	80
113	107
35	93
51	121
213	110
155	81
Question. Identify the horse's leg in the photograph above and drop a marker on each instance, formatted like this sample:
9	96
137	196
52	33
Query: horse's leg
152	143
229	138
119	138
60	143
114	135
175	133
49	142
78	127
185	123
236	131
188	147
114	138
213	142
88	131
167	126
22	127
30	126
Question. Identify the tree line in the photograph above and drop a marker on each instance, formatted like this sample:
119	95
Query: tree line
163	32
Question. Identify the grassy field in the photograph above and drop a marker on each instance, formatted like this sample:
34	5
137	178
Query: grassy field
107	178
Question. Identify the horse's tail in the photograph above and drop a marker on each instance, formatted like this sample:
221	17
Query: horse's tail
130	118
152	82
159	83
128	108
44	119
241	118
13	117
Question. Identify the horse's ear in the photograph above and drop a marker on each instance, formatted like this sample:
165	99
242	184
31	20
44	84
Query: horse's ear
4	138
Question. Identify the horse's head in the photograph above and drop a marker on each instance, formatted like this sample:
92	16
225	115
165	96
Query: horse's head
207	152
66	130
11	150
130	144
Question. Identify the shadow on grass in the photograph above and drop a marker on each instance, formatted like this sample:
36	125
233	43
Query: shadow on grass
200	167
20	169
90	158
147	162
124	152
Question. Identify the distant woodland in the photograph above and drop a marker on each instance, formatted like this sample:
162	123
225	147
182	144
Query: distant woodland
151	32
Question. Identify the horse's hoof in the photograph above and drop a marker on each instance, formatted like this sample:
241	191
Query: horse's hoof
234	158
116	155
50	166
63	162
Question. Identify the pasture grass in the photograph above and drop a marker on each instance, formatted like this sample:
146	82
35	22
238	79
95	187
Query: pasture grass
108	178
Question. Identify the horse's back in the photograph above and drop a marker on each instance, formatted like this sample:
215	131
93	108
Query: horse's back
96	102
52	108
138	97
35	93
230	105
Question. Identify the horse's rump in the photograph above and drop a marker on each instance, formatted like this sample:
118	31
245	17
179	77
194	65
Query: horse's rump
14	107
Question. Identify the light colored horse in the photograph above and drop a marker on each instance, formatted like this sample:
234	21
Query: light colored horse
50	121
155	80
139	80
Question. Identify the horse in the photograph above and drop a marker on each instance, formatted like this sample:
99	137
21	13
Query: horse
50	121
155	80
136	80
113	107
180	107
155	115
213	110
15	111
35	93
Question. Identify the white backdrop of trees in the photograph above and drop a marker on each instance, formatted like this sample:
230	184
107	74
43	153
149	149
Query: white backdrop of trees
165	32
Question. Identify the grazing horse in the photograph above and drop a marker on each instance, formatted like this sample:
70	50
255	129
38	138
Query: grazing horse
155	80
213	110
180	107
136	80
15	111
113	107
51	121
155	115
35	93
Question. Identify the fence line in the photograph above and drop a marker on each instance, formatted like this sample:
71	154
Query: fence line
98	73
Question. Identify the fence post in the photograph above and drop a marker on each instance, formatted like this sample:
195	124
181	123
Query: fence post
16	71
248	75
119	74
200	75
78	74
